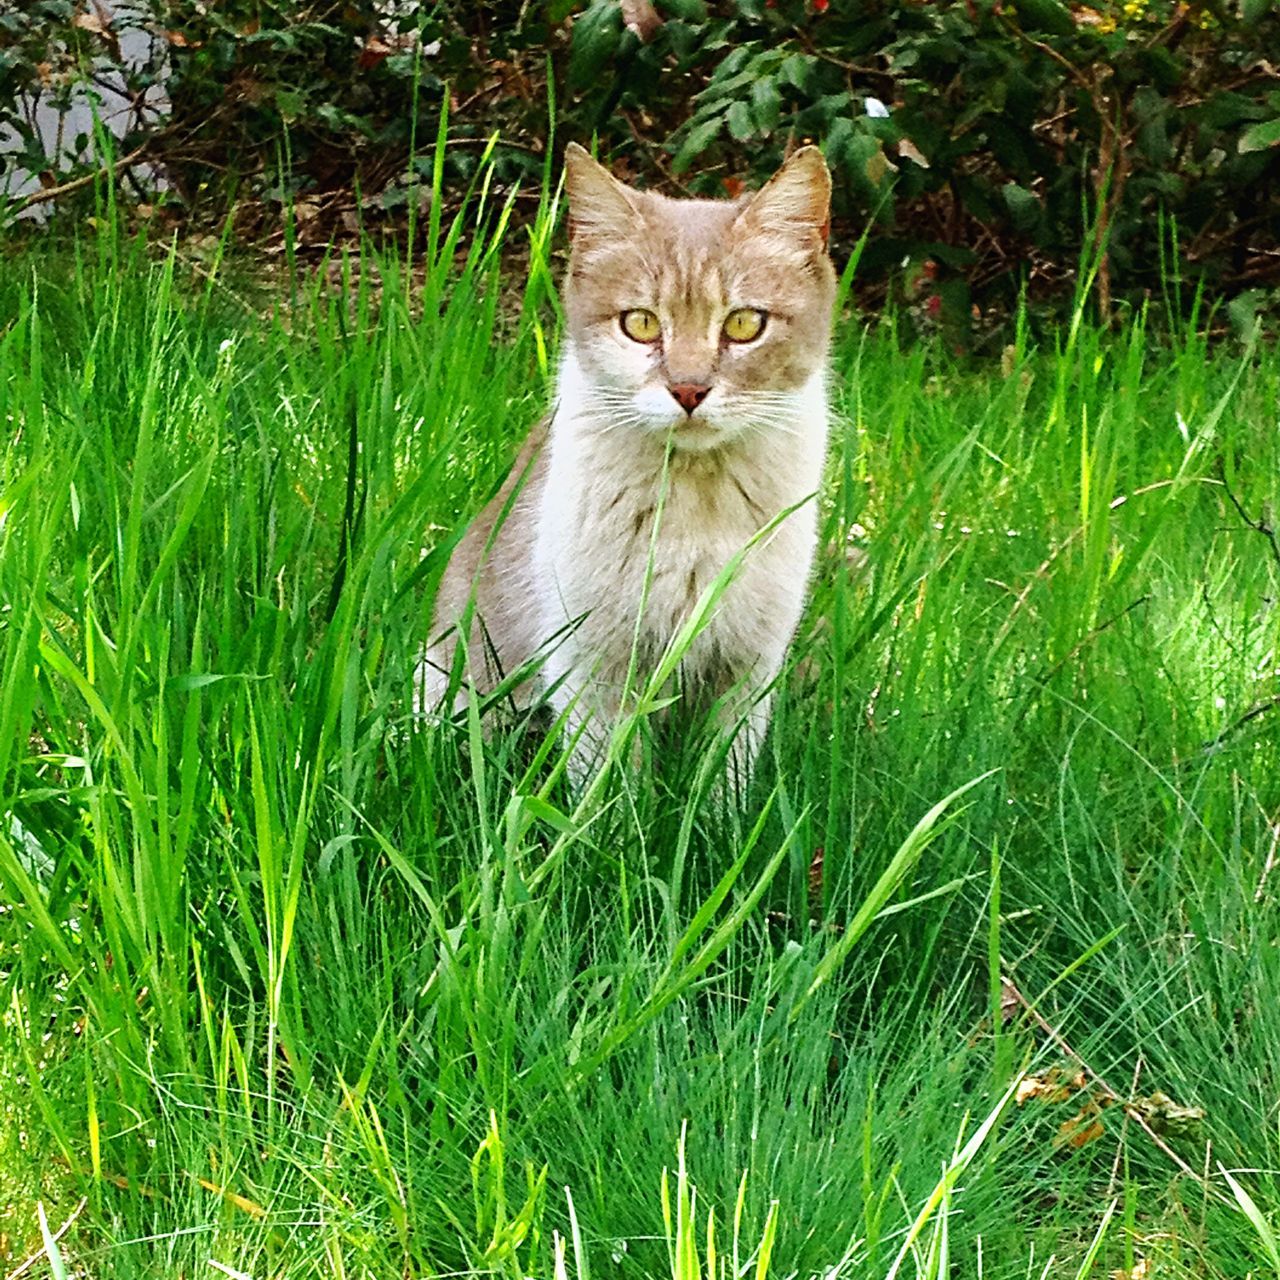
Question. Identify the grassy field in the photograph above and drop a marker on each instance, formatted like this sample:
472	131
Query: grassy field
291	989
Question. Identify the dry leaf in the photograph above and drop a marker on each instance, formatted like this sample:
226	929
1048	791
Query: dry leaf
909	151
1141	1270
116	1180
815	880
1009	1000
1166	1117
374	51
1054	1085
1081	1128
253	1209
642	18
90	22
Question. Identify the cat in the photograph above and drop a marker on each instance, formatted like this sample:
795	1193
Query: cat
692	393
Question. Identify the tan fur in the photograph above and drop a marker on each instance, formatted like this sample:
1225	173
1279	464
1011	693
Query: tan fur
573	555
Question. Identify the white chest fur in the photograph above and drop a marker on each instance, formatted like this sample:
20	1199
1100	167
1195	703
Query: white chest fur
616	527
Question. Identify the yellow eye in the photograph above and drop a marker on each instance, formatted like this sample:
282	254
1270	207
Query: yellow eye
641	326
744	325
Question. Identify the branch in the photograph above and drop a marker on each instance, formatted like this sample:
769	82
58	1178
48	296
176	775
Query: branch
78	184
1239	723
1261	526
1129	1109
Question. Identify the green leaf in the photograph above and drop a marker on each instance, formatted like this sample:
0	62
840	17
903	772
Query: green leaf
1242	311
734	61
766	103
56	1264
741	125
797	70
1249	1208
1255	10
725	86
859	156
595	40
1259	137
1023	206
696	142
689	10
291	105
1162	67
1153	141
1228	108
1046	15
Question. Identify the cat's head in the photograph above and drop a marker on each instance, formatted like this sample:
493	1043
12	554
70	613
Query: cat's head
709	317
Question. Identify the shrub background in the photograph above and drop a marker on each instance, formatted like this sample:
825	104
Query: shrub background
1014	127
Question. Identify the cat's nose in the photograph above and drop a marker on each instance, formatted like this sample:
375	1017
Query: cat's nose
689	395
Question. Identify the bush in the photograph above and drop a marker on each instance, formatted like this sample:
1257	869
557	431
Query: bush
981	139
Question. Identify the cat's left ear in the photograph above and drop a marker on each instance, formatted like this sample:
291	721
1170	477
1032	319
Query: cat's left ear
797	198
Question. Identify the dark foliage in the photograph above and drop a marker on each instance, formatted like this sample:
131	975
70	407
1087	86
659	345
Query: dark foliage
981	141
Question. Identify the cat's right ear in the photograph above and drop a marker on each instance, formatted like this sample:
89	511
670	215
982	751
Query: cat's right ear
598	202
797	199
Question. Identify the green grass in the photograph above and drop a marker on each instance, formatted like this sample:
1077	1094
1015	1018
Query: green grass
291	988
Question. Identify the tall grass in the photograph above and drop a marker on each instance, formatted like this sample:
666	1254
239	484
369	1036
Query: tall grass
292	987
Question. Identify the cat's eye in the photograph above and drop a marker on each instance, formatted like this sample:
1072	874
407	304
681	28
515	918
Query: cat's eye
640	325
744	325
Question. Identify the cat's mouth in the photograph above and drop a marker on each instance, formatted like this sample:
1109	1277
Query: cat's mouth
697	433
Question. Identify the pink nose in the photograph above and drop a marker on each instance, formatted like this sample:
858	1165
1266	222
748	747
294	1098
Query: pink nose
689	395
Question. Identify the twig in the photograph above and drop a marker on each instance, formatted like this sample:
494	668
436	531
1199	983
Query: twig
1252	714
1049	51
1260	525
854	68
1129	1109
1052	670
527	147
656	157
77	184
42	1252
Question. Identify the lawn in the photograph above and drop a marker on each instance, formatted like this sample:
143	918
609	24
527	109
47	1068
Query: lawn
292	988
